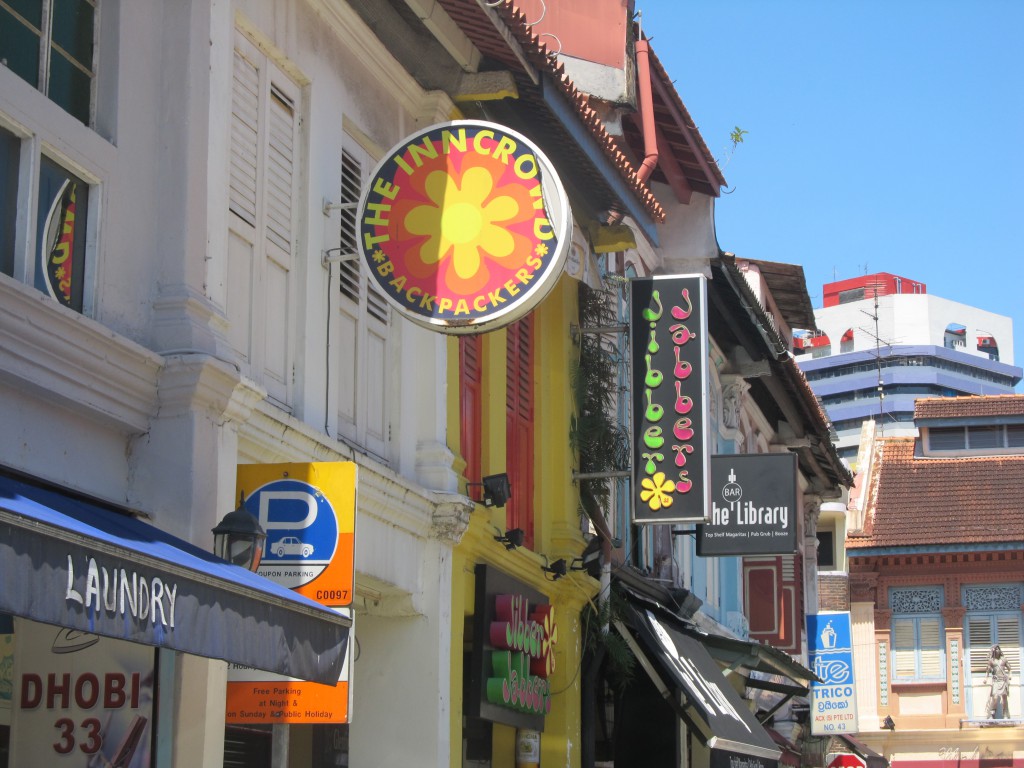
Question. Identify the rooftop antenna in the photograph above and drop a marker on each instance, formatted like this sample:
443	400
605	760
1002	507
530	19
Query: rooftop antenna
878	359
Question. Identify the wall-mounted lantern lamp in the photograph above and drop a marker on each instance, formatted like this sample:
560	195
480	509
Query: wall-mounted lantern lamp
496	490
239	538
557	569
589	562
889	724
512	539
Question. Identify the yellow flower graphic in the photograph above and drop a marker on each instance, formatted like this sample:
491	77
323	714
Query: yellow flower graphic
547	650
462	223
656	491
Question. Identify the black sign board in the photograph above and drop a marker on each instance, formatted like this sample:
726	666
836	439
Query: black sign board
668	327
753	506
512	653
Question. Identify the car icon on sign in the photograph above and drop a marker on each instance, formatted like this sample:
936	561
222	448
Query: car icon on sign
291	545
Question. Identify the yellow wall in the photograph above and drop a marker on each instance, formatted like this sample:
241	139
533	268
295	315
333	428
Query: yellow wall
556	523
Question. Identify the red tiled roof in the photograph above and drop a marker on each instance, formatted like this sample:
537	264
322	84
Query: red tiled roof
964	407
474	22
924	501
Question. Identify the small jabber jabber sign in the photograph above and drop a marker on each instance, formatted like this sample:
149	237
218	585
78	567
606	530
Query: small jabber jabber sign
464	226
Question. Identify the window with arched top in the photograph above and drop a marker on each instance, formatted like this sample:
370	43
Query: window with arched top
846	341
955	336
987	344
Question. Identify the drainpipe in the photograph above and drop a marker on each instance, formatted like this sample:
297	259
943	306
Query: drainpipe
646	98
646	101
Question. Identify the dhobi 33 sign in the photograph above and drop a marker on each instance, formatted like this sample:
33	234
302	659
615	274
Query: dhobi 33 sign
668	326
830	651
464	226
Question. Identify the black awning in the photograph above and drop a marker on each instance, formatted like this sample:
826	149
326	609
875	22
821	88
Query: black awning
73	563
759	657
677	661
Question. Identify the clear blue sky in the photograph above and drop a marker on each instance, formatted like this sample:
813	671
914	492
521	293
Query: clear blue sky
882	136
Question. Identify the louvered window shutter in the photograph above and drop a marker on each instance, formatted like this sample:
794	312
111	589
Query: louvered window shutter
244	138
932	648
470	405
351	188
280	173
519	426
364	313
979	630
904	649
1008	628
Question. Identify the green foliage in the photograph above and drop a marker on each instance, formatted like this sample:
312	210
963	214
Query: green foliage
601	445
736	136
618	660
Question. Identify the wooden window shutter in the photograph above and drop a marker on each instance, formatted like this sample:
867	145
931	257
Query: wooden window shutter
904	649
519	426
764	590
933	657
245	90
351	189
470	404
280	171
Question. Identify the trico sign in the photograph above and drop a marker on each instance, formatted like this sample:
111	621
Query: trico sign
830	651
464	226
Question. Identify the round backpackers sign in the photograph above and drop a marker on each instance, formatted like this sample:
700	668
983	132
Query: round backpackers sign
464	226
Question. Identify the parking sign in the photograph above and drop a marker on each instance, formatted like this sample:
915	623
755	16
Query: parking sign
308	513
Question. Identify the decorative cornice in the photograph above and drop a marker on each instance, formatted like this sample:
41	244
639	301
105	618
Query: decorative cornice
198	382
734	388
186	322
863	587
271	435
883	620
56	354
451	517
953	616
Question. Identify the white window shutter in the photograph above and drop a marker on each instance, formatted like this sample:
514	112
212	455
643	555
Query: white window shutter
363	414
244	138
904	650
280	174
262	196
979	630
932	656
1008	633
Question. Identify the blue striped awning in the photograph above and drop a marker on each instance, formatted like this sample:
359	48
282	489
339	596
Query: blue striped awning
80	564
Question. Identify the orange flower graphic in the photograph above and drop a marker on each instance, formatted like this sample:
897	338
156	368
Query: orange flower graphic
471	218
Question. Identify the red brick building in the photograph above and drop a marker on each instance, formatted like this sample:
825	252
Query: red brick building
936	570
